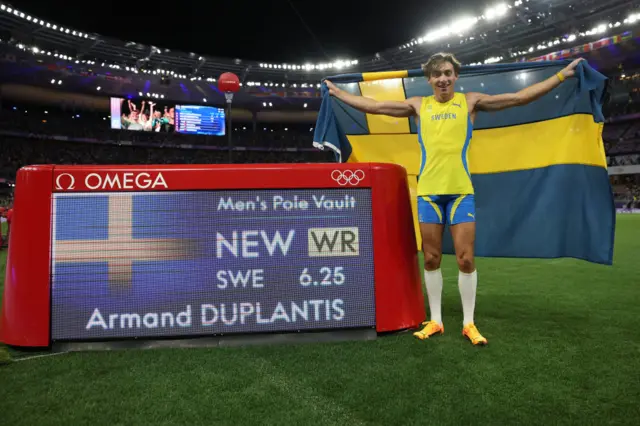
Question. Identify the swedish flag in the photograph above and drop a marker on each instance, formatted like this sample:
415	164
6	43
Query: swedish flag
539	171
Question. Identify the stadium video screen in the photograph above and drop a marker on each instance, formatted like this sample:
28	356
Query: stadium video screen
142	115
145	264
200	120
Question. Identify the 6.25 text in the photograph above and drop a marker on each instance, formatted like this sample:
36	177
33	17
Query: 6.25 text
329	276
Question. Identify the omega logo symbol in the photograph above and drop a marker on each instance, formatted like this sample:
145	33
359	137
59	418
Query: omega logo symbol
60	181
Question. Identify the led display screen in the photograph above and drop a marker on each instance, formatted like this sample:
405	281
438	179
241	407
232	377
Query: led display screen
145	264
142	115
200	120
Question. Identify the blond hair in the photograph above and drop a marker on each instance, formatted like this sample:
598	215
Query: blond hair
437	59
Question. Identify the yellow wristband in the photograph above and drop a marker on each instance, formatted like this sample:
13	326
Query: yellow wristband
560	76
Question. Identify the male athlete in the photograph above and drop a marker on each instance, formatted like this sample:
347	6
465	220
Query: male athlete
445	192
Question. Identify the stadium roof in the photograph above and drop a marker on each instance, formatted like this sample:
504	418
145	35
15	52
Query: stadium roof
276	30
310	36
114	40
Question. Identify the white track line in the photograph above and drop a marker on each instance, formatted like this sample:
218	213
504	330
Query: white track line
37	356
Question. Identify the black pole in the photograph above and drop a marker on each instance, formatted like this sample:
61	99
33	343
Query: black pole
230	129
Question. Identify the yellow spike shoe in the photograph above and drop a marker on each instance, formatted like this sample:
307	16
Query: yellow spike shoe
471	332
430	328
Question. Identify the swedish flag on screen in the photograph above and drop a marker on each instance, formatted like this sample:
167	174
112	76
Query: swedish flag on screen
206	262
539	171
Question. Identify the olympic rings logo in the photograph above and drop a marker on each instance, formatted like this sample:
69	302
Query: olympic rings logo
347	177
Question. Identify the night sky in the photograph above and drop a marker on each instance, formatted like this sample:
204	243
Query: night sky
277	30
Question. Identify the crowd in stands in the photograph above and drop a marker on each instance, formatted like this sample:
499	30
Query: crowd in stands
75	124
18	152
30	135
624	160
626	192
622	145
6	200
45	135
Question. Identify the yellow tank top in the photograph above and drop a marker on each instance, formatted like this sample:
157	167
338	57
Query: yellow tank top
444	134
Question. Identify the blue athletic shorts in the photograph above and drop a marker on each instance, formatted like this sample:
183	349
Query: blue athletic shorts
447	209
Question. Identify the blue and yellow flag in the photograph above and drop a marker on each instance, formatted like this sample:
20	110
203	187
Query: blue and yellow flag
539	171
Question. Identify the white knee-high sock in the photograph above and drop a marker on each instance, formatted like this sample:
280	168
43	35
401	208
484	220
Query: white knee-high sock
468	283
433	282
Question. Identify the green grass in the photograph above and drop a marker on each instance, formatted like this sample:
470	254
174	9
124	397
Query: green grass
564	348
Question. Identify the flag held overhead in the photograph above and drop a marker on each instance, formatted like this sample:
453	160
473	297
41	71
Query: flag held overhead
539	171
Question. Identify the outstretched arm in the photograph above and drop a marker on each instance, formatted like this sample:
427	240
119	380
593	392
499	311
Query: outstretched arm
405	108
529	94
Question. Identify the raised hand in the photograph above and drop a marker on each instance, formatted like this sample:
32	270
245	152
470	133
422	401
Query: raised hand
570	70
333	90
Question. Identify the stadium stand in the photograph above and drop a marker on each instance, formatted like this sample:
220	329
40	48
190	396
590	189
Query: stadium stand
58	113
34	135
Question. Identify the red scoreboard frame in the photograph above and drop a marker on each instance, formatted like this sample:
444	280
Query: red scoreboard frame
26	305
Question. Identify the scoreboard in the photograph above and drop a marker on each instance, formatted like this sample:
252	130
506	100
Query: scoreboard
104	253
178	263
200	120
